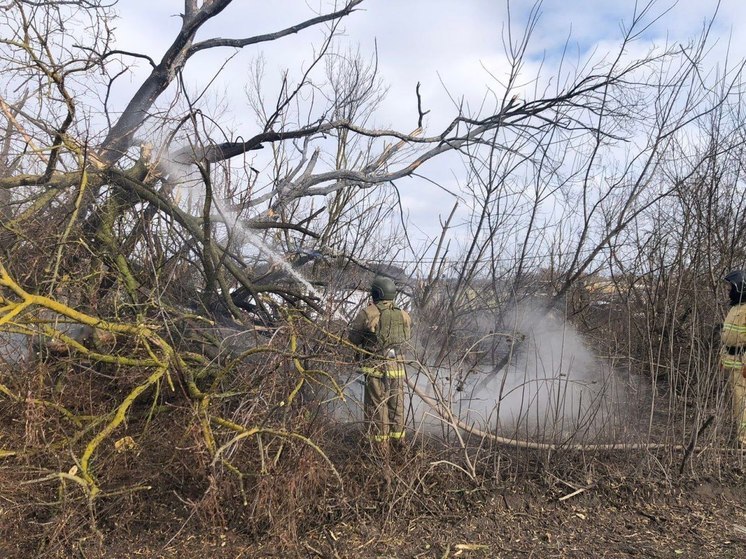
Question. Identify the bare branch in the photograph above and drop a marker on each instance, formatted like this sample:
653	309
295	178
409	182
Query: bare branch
240	43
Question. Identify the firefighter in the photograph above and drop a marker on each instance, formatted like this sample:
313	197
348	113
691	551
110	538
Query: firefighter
381	330
733	349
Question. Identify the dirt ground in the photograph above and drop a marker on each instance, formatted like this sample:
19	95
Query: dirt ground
705	524
708	521
612	518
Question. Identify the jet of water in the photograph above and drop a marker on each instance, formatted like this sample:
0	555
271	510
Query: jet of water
231	220
179	174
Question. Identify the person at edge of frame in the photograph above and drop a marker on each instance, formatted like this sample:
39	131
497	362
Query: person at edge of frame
733	350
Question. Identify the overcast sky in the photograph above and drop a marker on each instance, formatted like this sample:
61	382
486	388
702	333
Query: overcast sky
450	46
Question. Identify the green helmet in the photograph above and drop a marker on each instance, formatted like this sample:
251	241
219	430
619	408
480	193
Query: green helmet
383	289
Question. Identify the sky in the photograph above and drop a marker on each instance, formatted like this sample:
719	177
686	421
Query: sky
453	48
440	43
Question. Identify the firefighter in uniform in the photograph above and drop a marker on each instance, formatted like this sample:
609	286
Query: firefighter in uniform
733	349
381	330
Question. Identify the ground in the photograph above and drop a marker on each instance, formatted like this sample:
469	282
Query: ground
702	523
613	517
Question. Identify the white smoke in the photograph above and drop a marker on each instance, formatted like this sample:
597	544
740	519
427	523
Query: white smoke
553	388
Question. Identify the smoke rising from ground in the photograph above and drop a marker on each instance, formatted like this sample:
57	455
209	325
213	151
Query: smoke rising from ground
554	385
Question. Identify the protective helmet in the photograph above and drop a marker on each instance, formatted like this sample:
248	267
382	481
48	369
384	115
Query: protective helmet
383	289
737	281
737	278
